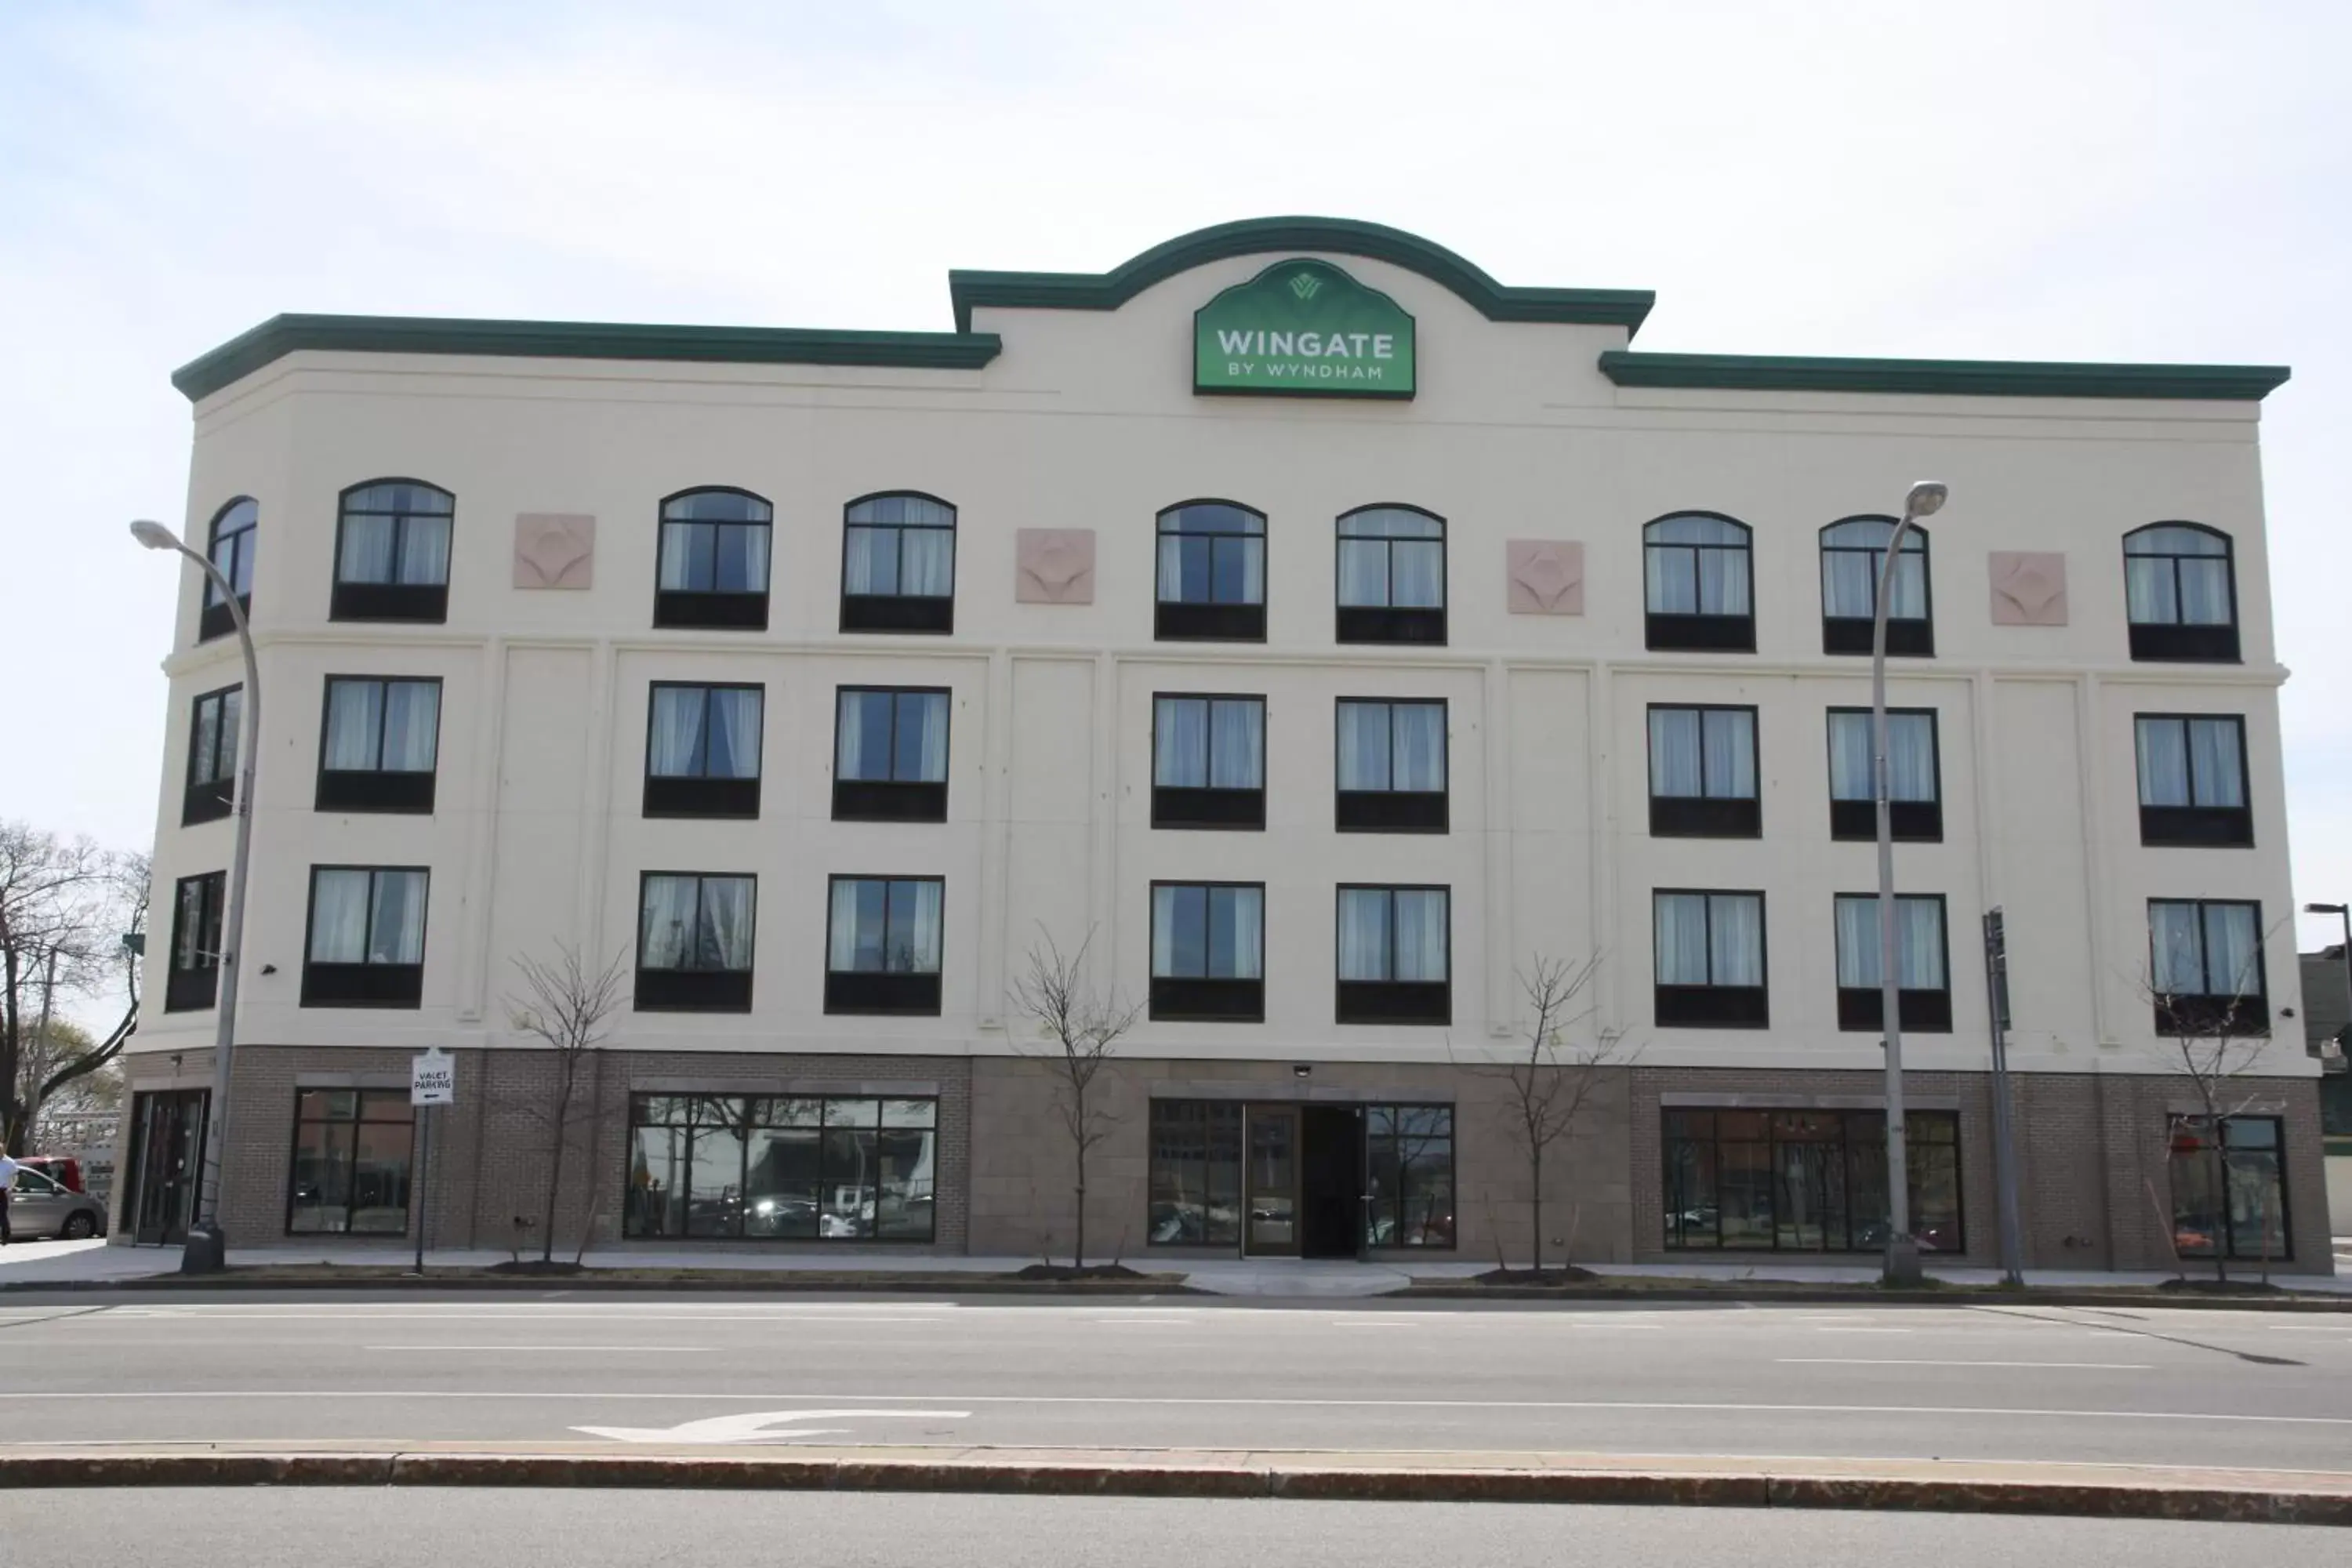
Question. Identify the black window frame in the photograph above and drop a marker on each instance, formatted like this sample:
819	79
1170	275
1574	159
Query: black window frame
718	609
695	987
932	614
1706	815
1206	806
1393	1002
1714	1005
702	795
366	984
2178	641
884	992
1414	626
2230	1248
360	1101
194	989
214	619
210	796
1907	637
1910	821
1204	998
378	789
1393	810
1862	1009
422	603
1210	620
741	1122
2195	825
1861	1135
1675	632
892	799
2201	1015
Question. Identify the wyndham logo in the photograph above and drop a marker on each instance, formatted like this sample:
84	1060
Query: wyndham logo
1305	285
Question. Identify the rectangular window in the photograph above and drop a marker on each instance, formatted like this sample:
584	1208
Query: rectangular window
1392	572
695	942
1914	792
2192	780
379	743
702	750
782	1168
898	567
1923	997
1211	573
1207	761
2229	1193
1196	1173
1409	1152
713	569
1395	956
1710	960
1207	947
1391	766
882	949
1853	554
1805	1181
366	946
350	1174
214	726
392	554
1696	586
2206	965
1703	773
890	754
194	972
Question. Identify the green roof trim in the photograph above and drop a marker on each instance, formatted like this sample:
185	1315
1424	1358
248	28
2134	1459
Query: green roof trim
1256	236
1944	378
283	335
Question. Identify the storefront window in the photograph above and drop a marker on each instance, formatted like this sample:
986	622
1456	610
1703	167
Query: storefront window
1809	1181
1410	1153
786	1168
1196	1173
350	1162
2228	1198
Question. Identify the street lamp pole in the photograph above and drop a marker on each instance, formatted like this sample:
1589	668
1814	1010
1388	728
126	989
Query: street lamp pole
207	1249
2344	913
1902	1265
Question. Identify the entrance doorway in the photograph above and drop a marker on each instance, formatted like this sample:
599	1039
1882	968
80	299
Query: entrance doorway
167	1145
1305	1181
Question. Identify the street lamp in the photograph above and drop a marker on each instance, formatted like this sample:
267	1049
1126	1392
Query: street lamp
206	1250
2344	913
1902	1267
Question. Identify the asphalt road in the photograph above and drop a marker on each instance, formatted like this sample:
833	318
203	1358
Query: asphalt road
2192	1388
381	1529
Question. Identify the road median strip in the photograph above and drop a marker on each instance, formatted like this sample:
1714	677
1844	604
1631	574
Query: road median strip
2079	1490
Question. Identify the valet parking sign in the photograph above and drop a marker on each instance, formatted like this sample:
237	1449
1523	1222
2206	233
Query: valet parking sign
1303	327
432	1079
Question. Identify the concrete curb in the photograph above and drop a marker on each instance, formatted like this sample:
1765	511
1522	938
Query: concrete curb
790	1472
1873	1298
942	1284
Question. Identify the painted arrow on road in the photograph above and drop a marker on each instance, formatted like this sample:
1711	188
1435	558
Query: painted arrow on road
759	1426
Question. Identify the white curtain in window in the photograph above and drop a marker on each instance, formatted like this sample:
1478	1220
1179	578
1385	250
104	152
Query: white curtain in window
740	564
1674	760
1364	934
677	734
725	936
666	923
232	721
1735	934
1417	570
1857	942
412	718
1164	900
2163	751
367	553
734	724
338	917
1849	588
1722	582
2232	953
2213	753
1421	934
2177	949
207	758
841	944
396	924
1910	756
1238	917
871	561
2205	592
1237	745
926	563
1364	745
677	557
354	719
1364	572
1681	921
424	550
1672	582
1906	597
2149	592
1731	745
923	923
1419	740
1919	944
1171	568
1850	757
931	718
1180	743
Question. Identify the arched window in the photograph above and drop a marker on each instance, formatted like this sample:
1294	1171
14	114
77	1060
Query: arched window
1392	575
1697	574
898	565
230	548
392	553
2180	587
1211	573
714	560
1853	553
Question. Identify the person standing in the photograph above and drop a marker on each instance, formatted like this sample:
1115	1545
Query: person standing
9	1169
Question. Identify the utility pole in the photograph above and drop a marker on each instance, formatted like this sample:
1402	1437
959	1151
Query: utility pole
2004	1145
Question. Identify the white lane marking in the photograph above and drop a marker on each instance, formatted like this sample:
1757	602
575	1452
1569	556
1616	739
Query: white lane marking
1866	1361
1580	1324
1855	1329
538	1316
1185	1321
1105	1399
759	1426
508	1350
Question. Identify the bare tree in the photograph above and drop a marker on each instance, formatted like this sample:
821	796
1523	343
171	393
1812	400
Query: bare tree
1085	1026
565	1010
1551	1082
66	906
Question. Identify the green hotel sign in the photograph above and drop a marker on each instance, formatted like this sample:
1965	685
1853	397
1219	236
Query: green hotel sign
1303	327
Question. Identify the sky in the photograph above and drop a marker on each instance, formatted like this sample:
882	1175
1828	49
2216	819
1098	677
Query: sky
2061	179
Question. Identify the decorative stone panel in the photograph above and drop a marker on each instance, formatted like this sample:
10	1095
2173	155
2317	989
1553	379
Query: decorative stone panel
2028	588
1054	566
554	550
1547	576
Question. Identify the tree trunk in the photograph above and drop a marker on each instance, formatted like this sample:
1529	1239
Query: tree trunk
555	1165
2221	1238
1535	1208
1078	1245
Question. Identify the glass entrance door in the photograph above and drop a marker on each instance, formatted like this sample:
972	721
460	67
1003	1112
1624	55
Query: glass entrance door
1273	1183
167	1152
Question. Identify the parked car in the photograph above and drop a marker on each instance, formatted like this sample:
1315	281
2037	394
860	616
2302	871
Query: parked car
62	1169
39	1206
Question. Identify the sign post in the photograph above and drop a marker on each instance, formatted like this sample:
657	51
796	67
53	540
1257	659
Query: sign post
432	1081
2004	1147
